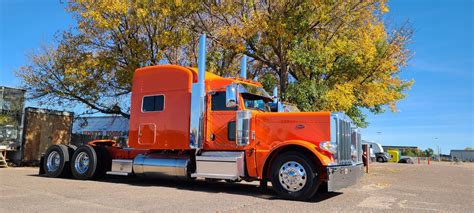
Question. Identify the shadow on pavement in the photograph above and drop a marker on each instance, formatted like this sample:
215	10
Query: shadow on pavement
243	188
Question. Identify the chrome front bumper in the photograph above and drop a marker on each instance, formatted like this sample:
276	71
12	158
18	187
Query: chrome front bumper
343	176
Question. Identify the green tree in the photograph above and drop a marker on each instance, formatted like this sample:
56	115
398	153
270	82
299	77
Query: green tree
93	63
408	152
326	55
428	152
323	55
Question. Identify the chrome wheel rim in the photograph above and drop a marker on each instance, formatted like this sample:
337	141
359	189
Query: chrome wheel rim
81	163
292	176
53	161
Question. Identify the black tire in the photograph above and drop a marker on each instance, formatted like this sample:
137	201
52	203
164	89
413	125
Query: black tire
60	167
380	159
95	168
310	175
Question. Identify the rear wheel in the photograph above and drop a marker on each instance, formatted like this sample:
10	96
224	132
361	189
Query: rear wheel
56	161
89	162
295	176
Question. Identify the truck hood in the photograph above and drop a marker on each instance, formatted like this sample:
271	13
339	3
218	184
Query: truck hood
312	127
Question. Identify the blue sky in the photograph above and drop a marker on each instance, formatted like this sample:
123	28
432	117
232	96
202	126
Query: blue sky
439	106
438	109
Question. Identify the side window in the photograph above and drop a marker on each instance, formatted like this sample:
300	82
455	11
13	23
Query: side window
218	102
153	103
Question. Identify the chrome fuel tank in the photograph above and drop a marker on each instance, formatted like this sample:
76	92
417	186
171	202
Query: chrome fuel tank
162	165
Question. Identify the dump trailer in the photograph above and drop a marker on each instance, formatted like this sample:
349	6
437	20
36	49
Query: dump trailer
187	123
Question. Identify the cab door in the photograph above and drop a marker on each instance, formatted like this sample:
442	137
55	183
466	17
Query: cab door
220	124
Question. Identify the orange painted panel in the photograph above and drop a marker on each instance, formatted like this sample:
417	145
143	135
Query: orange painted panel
146	134
217	125
172	124
274	130
169	129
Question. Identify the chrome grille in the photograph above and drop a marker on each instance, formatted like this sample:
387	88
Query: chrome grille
346	136
344	142
357	142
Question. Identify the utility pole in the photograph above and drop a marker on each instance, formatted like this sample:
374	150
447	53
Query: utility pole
439	150
439	153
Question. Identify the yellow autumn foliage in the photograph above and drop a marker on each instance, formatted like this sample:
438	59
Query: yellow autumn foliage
340	98
323	55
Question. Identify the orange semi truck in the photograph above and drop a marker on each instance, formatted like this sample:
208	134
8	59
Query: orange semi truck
187	123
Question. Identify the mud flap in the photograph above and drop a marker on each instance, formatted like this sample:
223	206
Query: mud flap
41	169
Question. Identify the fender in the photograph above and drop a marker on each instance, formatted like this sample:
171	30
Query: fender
105	142
321	155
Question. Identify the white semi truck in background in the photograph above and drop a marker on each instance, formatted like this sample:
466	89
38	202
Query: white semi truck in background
376	151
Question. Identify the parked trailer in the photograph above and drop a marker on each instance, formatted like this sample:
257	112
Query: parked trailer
187	123
41	129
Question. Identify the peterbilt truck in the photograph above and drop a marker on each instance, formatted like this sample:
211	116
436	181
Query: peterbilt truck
187	123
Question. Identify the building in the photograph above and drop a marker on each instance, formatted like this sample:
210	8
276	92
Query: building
11	100
11	109
86	129
113	126
400	148
462	155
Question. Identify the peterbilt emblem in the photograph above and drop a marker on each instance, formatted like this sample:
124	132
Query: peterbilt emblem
300	126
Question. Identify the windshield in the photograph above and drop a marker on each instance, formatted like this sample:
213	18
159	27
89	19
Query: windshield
255	102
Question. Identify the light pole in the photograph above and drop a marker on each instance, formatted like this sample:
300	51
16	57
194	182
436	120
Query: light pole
378	138
439	151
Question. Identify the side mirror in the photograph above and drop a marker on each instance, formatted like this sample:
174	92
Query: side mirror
231	97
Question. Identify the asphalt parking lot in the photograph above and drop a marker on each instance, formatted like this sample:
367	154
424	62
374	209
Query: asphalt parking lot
441	187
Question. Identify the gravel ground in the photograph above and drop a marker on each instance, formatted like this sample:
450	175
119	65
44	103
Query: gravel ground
441	187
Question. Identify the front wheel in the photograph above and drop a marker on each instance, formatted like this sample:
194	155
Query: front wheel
380	159
295	176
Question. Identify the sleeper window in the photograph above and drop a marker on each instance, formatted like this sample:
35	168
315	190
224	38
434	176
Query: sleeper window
153	103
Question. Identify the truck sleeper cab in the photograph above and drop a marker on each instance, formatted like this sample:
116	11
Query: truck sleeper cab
188	124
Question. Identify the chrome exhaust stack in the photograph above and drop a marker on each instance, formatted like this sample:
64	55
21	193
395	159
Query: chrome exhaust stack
196	125
243	67
275	94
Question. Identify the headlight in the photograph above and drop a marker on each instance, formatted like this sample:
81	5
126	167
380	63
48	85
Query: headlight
329	146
